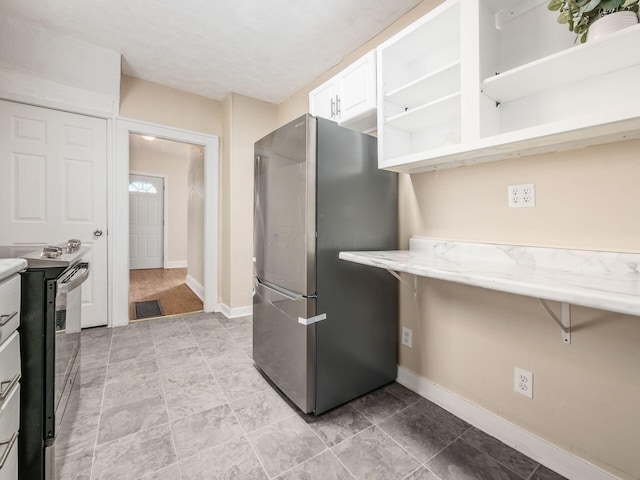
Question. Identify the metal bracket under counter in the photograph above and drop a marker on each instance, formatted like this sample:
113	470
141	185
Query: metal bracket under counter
564	322
404	282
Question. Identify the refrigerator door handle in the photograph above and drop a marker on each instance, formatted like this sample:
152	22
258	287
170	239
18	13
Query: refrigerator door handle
279	290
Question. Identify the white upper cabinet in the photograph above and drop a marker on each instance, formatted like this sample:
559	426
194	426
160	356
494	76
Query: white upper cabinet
419	80
349	98
483	80
322	100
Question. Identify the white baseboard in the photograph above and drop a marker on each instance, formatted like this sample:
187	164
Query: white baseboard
235	312
551	456
195	286
176	264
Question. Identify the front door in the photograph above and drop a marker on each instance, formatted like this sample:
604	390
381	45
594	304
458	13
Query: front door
146	222
53	187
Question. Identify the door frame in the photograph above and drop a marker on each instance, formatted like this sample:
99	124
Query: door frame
165	214
119	205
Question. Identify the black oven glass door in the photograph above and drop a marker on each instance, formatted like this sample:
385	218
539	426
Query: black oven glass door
67	336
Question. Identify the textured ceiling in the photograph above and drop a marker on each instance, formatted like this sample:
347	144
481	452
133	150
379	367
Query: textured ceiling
265	49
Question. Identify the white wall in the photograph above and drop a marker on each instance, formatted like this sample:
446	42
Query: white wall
50	70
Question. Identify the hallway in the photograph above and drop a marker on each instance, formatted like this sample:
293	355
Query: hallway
165	285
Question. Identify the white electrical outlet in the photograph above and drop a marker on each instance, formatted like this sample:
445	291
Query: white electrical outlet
523	195
523	382
406	336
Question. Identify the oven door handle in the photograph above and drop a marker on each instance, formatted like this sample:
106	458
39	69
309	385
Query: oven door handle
7	450
78	278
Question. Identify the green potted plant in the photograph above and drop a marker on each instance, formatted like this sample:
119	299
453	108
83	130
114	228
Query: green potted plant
580	15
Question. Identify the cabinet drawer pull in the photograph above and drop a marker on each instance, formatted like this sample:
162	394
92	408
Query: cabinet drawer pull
333	108
4	319
7	385
7	450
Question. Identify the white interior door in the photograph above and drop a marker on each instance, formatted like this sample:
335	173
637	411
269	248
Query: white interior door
146	222
53	187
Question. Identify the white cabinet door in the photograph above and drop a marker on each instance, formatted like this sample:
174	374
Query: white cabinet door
322	100
146	222
357	89
53	187
350	97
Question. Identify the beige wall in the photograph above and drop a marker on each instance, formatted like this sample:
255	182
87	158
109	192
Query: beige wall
246	120
195	215
151	102
225	205
468	340
176	169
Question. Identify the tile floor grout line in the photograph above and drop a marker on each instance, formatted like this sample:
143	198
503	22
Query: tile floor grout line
173	440
412	472
343	464
459	437
352	436
399	445
534	471
301	463
104	388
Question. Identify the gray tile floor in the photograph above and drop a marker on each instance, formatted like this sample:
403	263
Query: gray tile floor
179	398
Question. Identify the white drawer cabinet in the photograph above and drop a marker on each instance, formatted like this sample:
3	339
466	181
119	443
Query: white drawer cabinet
9	367
9	306
10	371
9	424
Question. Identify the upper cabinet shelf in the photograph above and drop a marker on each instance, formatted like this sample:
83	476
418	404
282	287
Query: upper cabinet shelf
483	80
433	84
439	111
582	62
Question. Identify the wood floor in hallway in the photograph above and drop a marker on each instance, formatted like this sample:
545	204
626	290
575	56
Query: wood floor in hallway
165	285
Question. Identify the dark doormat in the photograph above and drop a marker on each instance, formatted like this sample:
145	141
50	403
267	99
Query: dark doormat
150	308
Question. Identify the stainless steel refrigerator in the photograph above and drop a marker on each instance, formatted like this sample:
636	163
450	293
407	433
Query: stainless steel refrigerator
324	331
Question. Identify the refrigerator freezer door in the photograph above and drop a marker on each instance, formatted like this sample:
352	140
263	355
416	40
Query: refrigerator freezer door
284	207
284	348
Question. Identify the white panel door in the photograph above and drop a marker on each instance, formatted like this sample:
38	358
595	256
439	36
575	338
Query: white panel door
53	187
146	222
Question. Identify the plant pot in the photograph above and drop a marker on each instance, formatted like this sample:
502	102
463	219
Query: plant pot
611	23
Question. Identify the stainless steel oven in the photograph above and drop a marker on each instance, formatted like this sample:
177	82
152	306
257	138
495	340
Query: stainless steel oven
50	345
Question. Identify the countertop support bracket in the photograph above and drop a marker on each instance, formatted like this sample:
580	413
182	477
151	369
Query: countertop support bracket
564	322
404	282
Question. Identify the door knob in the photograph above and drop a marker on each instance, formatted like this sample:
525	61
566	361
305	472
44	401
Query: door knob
97	233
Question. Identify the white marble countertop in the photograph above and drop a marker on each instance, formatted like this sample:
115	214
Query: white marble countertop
9	266
603	280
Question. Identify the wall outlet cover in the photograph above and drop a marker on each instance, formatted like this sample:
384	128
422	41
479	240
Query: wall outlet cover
523	382
406	337
523	195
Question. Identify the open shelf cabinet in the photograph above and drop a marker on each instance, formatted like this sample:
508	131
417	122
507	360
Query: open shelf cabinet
501	75
419	85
